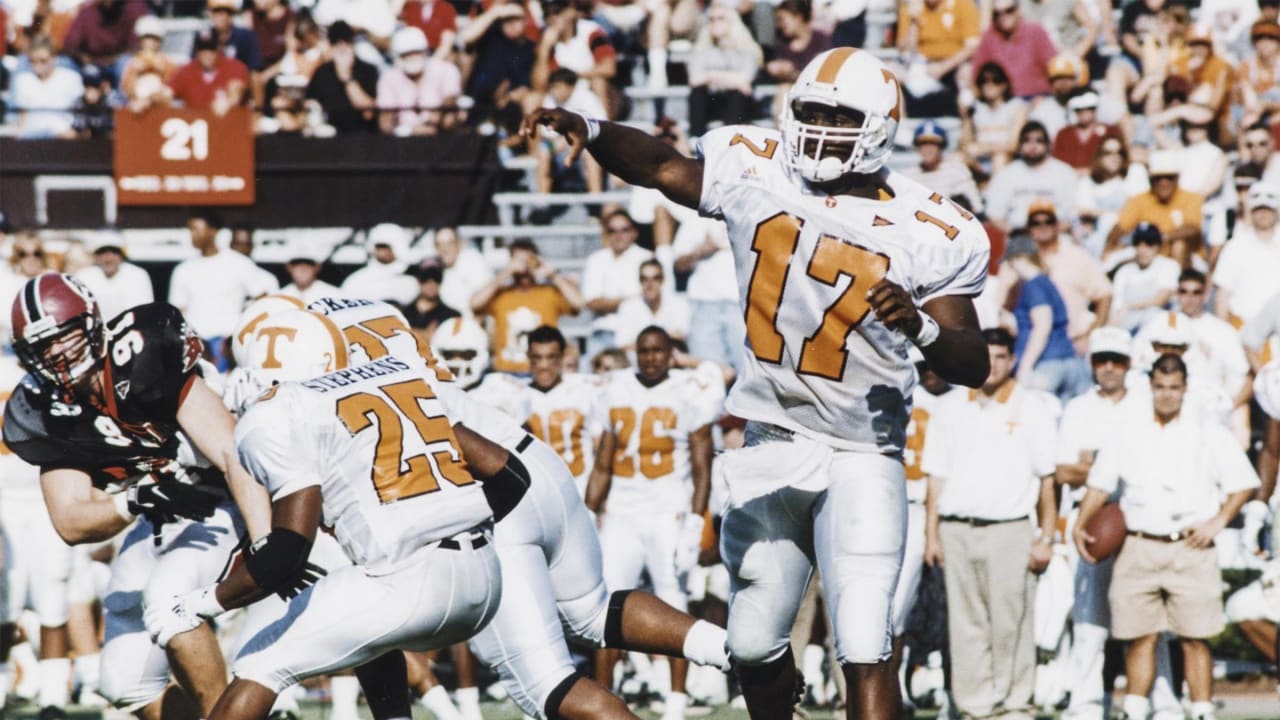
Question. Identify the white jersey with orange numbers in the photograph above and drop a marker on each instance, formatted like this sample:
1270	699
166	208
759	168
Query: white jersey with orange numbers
923	404
651	468
376	329
19	480
560	417
817	361
377	440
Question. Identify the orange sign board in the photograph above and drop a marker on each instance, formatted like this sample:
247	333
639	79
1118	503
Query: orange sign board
176	156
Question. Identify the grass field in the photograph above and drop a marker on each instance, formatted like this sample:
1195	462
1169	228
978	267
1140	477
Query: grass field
1258	706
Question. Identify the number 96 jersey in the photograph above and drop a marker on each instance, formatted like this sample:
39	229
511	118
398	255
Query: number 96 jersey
817	360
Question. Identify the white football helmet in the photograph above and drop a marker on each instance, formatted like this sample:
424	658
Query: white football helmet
856	82
255	313
463	347
284	347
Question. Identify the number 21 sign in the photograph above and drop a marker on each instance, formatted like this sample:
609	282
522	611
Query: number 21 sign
174	156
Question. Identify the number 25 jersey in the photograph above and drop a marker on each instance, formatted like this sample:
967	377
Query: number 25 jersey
377	440
817	360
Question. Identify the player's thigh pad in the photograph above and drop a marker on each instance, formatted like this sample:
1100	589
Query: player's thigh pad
904	596
767	548
577	572
348	618
524	642
859	533
134	671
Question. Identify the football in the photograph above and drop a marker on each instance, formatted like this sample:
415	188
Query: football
1108	530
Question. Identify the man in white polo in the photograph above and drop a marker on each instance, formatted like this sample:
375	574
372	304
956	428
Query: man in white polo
1176	468
1087	422
989	457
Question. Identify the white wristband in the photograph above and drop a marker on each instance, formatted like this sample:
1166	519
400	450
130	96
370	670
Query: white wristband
593	128
206	605
929	331
121	500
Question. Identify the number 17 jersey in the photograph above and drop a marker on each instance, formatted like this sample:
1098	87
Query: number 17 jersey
817	360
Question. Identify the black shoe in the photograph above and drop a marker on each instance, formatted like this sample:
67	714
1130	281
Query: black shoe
51	712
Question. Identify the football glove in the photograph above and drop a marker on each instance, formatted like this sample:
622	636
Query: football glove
170	498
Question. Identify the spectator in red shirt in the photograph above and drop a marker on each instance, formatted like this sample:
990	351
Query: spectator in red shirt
437	19
1022	47
103	32
211	81
1077	144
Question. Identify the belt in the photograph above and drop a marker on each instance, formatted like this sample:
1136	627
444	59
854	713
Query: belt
524	443
475	538
979	522
1172	537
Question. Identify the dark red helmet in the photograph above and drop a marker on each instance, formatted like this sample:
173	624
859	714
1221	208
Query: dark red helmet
50	309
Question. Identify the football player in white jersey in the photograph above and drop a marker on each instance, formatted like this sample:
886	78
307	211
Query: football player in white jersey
368	451
929	392
841	263
555	405
36	570
550	556
652	480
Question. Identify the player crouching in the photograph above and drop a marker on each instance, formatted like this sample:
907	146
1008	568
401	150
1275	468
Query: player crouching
368	452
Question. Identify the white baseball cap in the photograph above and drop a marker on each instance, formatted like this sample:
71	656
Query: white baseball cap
1263	194
1111	340
1164	162
408	40
391	235
148	26
1168	328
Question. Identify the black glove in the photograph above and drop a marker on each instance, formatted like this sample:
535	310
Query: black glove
309	575
169	499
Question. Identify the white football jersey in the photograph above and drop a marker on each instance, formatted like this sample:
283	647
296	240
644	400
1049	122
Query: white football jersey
651	468
817	361
376	329
560	417
378	442
19	480
923	405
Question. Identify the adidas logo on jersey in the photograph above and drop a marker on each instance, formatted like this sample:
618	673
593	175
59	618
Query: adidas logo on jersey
749	174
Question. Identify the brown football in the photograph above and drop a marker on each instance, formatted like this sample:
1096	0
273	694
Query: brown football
1108	530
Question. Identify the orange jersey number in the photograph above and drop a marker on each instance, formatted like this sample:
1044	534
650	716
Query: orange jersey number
656	451
370	334
913	453
394	476
822	353
567	444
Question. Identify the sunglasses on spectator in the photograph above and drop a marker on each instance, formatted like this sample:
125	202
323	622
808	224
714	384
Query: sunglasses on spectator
1107	358
1043	222
1190	291
28	253
1155	242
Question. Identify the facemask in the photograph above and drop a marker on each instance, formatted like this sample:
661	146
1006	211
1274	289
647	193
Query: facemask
413	65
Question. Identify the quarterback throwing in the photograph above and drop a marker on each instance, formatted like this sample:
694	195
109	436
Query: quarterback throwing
841	265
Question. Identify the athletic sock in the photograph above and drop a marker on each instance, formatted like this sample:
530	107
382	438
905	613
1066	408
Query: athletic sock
704	645
55	676
437	701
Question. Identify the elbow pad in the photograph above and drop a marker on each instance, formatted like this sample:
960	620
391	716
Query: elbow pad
278	560
505	488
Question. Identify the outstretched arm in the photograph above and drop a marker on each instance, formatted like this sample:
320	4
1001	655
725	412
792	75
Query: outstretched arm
636	157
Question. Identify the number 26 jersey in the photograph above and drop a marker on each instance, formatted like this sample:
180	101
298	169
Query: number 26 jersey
817	360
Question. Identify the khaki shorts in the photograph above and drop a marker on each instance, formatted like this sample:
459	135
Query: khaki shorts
1165	587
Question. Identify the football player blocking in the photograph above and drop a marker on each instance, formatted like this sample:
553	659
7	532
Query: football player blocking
549	553
110	412
840	263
